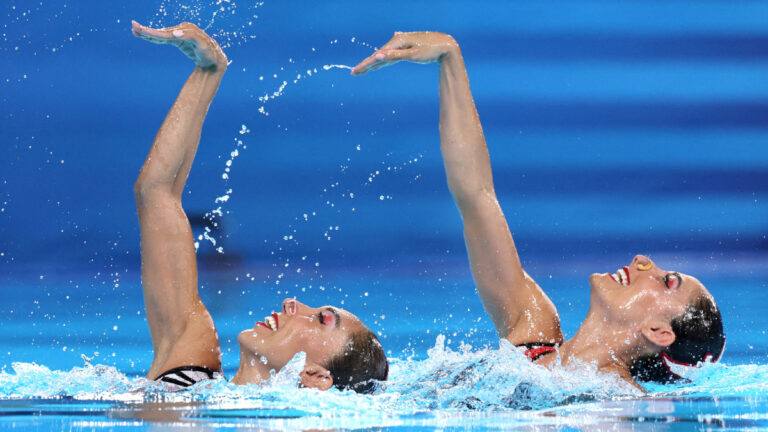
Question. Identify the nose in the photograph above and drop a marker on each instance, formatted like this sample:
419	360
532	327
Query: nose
642	262
291	306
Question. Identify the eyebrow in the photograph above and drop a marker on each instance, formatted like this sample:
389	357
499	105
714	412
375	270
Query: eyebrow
336	316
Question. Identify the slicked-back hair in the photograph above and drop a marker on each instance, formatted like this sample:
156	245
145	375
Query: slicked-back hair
360	365
698	334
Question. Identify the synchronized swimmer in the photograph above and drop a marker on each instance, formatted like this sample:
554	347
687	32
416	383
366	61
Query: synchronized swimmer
644	323
340	350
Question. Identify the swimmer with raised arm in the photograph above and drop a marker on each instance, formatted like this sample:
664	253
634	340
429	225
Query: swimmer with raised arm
340	350
644	323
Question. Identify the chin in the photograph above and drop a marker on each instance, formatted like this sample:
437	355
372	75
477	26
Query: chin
596	282
246	338
598	286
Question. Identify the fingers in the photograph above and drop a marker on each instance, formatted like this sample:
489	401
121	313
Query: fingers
135	27
381	58
371	63
397	41
155	35
385	54
365	65
184	31
190	39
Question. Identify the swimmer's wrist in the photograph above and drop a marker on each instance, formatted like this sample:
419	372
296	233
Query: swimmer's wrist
219	67
213	70
450	51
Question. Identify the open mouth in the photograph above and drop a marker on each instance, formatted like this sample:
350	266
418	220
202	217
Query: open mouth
270	322
621	276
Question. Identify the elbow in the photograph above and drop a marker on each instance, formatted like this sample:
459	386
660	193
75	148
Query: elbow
468	197
145	191
138	189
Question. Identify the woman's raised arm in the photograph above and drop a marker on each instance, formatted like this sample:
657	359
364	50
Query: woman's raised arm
519	309
183	333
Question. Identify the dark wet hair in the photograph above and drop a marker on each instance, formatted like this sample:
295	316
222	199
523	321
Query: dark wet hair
361	365
698	334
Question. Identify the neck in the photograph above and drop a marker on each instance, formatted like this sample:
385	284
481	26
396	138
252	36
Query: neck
597	341
251	369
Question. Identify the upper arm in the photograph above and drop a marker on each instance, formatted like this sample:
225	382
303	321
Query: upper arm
181	327
520	310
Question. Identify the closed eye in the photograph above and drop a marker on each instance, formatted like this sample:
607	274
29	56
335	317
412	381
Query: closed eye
329	316
334	319
673	280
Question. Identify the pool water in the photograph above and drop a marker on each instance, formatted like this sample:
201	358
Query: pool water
662	413
66	371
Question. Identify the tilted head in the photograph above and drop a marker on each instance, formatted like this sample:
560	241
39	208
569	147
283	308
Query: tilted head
699	337
676	318
361	361
340	350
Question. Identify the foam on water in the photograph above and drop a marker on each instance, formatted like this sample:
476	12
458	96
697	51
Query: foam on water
462	379
449	387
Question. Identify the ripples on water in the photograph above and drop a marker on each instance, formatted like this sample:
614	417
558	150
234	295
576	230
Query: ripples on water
448	385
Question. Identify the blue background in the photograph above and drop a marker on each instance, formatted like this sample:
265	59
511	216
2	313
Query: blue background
614	128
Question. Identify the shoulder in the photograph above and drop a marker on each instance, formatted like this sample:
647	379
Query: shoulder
539	322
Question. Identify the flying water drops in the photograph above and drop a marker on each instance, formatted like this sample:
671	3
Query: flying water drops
212	216
230	22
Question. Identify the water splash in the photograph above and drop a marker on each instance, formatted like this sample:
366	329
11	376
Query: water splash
212	217
234	23
19	34
447	387
462	379
337	66
267	97
283	83
87	382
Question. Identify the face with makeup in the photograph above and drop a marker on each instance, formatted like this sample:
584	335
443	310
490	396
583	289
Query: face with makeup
641	295
322	333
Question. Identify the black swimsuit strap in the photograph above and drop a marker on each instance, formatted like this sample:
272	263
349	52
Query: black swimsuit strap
532	345
182	369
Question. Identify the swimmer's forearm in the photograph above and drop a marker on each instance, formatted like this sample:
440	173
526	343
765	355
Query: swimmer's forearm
467	165
175	144
465	155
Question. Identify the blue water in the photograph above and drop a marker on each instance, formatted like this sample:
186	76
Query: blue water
66	369
614	129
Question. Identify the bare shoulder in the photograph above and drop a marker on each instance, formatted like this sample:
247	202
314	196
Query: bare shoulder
196	344
539	321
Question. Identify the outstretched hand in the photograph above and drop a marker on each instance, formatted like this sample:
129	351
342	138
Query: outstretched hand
417	47
192	41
